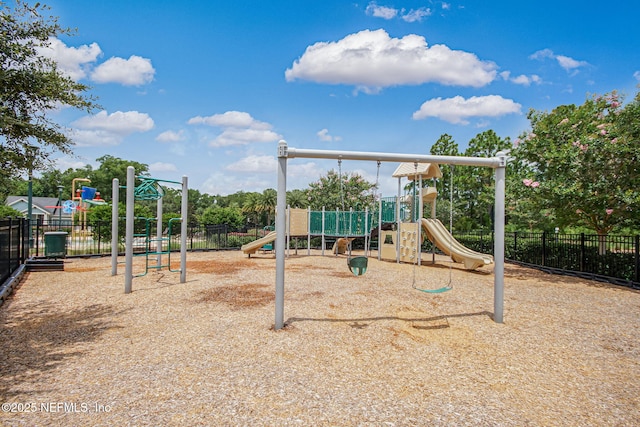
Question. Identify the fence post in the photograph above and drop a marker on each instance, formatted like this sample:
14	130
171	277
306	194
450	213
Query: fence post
637	258
10	245
582	253
99	236
515	246
544	248
25	226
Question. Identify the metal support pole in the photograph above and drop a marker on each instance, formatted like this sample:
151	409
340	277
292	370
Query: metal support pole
281	224
288	243
324	241
308	231
379	229
128	249
419	221
398	221
184	212
498	251
159	234
115	200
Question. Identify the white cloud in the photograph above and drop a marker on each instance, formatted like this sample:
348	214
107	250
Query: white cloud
134	71
234	136
522	79
171	136
94	138
457	109
239	128
105	129
383	12
416	15
258	172
72	61
569	63
255	164
120	122
636	75
236	119
565	62
386	12
372	59
304	173
64	163
323	135
162	167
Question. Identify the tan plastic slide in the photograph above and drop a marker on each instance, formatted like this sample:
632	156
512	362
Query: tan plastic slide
252	247
440	236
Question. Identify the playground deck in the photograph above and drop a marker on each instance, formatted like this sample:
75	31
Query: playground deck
365	350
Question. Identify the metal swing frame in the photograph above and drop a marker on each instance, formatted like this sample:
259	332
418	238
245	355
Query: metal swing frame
498	163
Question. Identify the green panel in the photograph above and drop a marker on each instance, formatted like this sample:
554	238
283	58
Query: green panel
389	209
315	222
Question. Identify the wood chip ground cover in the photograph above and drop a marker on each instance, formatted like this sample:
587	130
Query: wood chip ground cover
356	351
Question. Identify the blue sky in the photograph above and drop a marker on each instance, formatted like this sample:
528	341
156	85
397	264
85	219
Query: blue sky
208	88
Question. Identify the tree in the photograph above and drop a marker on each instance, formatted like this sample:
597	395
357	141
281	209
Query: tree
297	199
31	86
477	187
251	207
444	146
332	193
113	167
100	219
230	215
9	212
267	203
585	162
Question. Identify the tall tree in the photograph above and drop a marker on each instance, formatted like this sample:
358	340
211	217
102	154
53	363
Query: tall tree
251	207
267	203
585	162
475	185
31	86
113	167
297	199
342	191
444	146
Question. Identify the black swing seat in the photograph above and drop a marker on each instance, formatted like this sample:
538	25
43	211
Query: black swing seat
358	265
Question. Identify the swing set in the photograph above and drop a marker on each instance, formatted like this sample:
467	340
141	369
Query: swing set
498	163
358	264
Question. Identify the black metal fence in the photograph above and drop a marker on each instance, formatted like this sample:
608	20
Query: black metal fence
94	238
14	246
614	259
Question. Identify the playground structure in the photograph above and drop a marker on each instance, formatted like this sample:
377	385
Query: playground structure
405	212
149	189
81	200
337	227
498	163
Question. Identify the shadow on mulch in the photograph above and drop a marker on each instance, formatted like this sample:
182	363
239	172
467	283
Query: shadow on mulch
39	337
239	297
416	322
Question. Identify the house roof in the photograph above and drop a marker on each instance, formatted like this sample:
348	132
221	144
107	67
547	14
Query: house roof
46	204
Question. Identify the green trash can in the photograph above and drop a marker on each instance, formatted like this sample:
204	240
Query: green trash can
55	244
